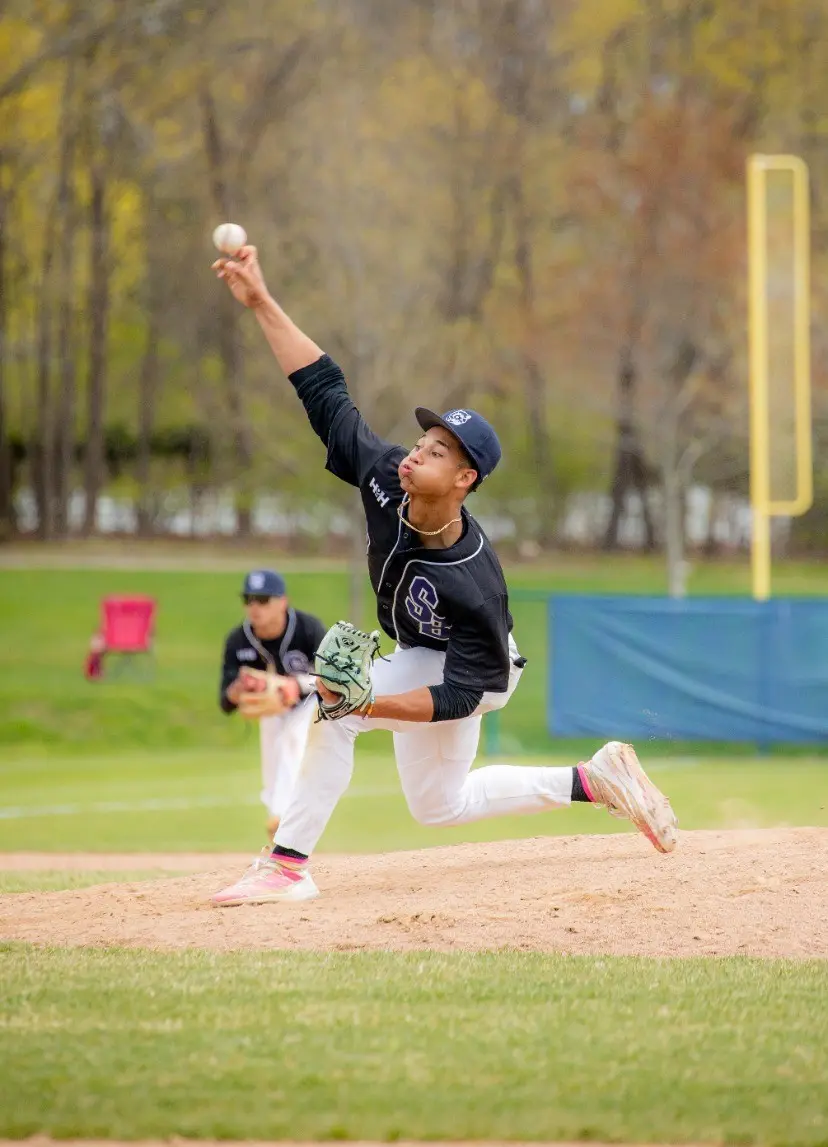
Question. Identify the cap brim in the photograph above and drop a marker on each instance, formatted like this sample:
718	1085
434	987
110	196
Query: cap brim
429	419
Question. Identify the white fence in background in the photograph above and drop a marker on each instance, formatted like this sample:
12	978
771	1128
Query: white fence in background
582	521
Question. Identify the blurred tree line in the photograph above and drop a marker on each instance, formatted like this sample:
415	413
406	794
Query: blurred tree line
533	208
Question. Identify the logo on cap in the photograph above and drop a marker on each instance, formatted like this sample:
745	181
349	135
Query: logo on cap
256	581
458	417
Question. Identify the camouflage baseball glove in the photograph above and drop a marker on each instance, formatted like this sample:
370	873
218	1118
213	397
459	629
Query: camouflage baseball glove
343	663
266	694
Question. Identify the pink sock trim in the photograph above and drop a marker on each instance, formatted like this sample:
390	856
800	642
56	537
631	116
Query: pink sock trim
292	874
585	782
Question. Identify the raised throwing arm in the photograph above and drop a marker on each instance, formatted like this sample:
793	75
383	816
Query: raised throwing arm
243	275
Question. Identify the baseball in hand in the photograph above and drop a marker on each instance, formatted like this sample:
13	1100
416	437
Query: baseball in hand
253	681
229	237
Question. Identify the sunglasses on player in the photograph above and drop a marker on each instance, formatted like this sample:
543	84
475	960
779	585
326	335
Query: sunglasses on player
256	598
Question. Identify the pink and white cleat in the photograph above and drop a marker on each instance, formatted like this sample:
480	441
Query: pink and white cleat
614	778
268	879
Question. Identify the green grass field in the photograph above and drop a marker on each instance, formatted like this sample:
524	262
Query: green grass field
422	1046
208	800
131	1044
58	880
48	615
133	763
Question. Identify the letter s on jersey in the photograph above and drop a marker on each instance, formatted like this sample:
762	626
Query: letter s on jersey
421	603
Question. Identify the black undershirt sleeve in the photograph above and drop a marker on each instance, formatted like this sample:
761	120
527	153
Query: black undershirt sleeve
454	702
229	672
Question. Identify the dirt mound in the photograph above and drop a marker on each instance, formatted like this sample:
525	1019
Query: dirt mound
762	893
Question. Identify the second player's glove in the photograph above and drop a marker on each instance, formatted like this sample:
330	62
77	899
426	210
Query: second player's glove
266	694
343	664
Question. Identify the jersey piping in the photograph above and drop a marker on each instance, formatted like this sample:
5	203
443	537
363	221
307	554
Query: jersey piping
267	657
425	562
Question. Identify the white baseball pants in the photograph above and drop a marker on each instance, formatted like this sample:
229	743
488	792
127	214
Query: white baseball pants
434	761
283	740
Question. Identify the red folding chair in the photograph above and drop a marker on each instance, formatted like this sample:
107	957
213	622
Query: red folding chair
128	628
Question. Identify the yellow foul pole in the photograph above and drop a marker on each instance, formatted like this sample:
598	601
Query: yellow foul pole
759	383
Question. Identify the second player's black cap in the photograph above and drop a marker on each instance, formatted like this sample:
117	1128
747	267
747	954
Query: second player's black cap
475	434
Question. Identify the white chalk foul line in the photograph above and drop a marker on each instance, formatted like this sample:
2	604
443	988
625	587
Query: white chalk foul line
179	804
185	804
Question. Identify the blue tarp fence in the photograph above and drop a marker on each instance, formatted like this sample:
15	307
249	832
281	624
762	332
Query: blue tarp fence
700	669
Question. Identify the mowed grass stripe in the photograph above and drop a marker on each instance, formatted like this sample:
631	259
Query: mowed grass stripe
207	801
54	880
115	1044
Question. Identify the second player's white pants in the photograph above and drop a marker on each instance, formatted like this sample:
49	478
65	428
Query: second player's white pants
434	761
283	740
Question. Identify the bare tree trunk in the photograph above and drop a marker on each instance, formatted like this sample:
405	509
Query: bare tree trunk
6	507
630	467
540	450
711	547
228	335
65	425
520	25
42	450
671	489
98	327
230	352
147	391
540	440
672	478
673	521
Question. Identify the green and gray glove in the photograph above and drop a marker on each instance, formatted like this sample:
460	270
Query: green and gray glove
343	663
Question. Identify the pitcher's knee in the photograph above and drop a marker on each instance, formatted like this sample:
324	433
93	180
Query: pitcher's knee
437	814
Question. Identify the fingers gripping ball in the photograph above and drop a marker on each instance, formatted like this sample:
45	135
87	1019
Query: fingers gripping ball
266	694
229	238
254	680
343	664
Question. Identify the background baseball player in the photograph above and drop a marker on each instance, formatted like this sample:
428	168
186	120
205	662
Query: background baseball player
281	641
442	597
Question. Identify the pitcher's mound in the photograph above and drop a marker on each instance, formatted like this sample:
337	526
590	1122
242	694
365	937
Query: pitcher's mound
760	893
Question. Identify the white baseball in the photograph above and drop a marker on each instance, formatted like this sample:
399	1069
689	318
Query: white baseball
229	237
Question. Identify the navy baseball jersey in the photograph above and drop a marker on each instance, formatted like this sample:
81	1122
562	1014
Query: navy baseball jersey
290	655
453	600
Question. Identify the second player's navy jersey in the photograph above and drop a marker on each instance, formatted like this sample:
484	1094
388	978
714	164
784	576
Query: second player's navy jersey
454	600
290	655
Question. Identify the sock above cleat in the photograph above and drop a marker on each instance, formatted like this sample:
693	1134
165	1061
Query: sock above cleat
579	793
288	854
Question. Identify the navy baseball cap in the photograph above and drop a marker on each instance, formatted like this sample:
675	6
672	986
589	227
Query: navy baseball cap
474	433
265	582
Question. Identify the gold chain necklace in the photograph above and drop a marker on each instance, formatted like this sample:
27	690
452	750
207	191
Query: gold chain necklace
425	533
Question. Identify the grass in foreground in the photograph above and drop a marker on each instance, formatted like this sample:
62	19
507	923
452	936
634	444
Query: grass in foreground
385	1046
208	801
54	880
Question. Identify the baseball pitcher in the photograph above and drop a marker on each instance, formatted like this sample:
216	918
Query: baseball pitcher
442	598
